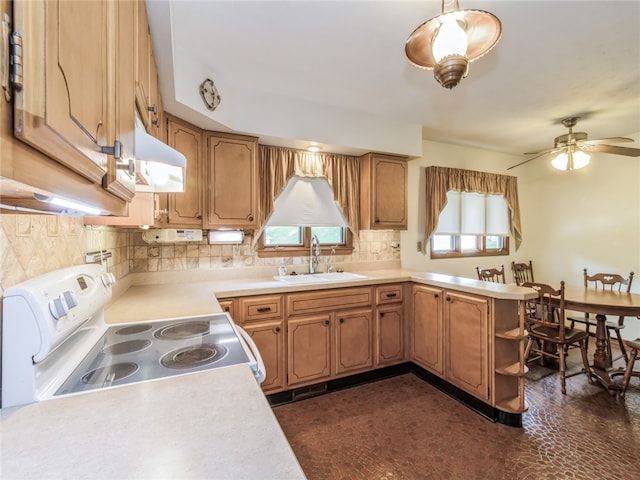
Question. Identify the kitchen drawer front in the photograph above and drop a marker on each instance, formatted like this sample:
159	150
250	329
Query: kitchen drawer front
263	307
229	305
328	300
389	294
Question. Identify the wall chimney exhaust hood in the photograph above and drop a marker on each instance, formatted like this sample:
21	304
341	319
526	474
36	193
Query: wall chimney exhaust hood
159	168
306	202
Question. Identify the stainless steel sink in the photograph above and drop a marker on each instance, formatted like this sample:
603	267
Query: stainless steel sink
320	278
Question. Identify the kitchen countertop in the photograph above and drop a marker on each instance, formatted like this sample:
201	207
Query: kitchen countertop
214	424
211	424
175	296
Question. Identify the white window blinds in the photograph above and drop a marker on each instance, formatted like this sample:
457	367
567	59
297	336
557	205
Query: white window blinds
469	213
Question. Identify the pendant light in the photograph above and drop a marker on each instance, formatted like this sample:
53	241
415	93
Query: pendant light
449	42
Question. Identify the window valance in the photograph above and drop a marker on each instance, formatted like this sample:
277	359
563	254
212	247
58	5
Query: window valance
277	165
440	180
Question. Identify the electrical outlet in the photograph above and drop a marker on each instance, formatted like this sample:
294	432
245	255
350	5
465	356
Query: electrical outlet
420	246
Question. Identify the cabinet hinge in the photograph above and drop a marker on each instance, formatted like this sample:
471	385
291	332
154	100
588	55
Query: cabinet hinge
11	58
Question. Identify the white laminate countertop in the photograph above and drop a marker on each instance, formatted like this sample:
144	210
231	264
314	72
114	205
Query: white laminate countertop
181	298
214	424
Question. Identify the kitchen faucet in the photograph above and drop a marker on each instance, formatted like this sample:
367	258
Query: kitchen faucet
314	254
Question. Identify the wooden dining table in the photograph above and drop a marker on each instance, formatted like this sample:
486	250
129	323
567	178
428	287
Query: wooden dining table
603	303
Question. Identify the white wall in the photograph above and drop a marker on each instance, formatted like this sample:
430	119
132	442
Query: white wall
589	218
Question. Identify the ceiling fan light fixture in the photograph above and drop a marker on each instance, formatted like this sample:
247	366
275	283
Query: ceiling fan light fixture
572	159
449	42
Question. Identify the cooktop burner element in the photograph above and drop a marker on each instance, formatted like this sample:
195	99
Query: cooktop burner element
105	376
133	329
183	330
188	357
129	346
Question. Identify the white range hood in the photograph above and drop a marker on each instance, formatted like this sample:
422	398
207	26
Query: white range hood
159	168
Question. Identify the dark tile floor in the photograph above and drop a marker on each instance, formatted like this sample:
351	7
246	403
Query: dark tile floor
404	428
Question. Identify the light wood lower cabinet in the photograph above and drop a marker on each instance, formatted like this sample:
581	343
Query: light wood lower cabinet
309	349
466	343
269	337
426	328
390	328
473	342
353	341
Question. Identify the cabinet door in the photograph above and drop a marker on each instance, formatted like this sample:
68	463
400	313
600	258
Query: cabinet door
308	349
269	338
383	192
354	341
143	63
185	209
63	108
119	180
390	335
232	196
426	328
466	343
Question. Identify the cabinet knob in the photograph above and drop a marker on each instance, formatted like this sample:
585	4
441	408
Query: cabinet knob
250	218
227	309
435	295
342	320
377	220
277	330
449	299
326	322
199	217
381	314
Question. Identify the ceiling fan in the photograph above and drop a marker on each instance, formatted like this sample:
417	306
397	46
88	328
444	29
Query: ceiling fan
571	148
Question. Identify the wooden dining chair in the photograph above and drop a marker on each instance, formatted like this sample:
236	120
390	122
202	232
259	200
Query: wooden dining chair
634	347
547	328
522	272
615	283
491	274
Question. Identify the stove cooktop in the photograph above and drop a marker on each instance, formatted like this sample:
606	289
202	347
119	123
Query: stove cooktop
132	353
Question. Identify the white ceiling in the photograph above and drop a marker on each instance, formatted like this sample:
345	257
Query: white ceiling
292	72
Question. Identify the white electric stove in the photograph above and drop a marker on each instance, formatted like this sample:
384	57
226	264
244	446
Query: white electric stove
55	341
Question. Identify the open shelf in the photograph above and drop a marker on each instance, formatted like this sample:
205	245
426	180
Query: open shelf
514	369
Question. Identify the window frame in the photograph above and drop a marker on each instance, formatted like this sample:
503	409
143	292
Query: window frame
481	251
303	250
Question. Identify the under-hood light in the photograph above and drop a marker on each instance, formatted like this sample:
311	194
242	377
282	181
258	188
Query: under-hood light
73	208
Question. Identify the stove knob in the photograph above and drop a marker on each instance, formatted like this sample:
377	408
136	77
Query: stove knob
70	299
108	279
58	307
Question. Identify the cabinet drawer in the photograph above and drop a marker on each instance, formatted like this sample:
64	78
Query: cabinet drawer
229	305
267	307
328	300
388	294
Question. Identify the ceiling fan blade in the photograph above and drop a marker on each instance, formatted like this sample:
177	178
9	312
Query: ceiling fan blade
540	154
629	152
600	141
543	152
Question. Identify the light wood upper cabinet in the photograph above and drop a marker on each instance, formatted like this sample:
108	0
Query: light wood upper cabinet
466	344
383	192
147	89
185	209
232	179
69	105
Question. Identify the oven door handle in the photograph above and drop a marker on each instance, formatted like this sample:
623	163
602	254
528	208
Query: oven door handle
261	374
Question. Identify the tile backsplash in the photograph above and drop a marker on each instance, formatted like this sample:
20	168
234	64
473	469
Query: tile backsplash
31	245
